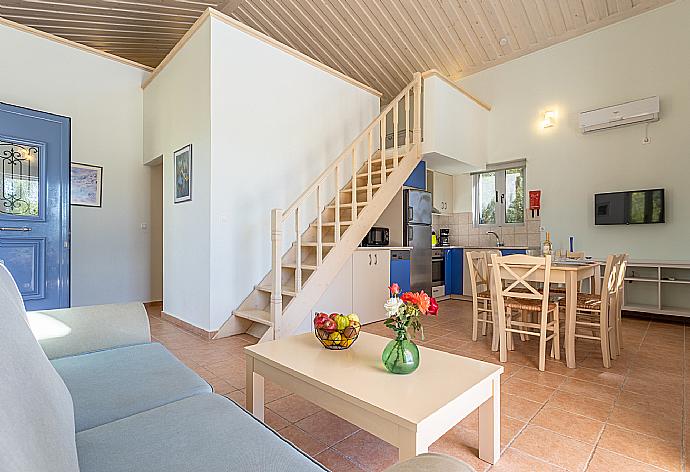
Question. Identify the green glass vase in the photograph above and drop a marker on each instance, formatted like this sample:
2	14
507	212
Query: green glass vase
401	356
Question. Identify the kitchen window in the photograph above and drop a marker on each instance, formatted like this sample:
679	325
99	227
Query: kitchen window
499	194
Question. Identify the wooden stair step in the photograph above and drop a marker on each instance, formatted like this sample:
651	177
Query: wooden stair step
289	291
314	244
332	223
303	266
347	206
258	316
363	174
360	188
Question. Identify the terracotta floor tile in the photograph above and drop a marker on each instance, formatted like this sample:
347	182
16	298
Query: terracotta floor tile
608	379
641	447
274	420
367	450
327	427
646	403
607	461
293	408
546	379
518	407
551	447
238	396
580	405
646	383
569	424
220	386
333	460
513	460
510	428
589	389
302	440
528	390
462	444
649	422
670	393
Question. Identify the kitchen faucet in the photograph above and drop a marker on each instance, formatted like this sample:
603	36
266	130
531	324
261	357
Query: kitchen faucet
498	238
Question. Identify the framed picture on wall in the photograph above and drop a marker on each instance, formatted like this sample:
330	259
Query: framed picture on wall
86	187
182	159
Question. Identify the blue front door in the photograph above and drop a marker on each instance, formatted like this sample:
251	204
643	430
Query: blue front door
34	204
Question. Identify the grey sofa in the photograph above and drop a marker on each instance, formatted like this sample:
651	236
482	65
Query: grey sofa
93	394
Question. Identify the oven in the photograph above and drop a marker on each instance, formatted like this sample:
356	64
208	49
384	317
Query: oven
438	273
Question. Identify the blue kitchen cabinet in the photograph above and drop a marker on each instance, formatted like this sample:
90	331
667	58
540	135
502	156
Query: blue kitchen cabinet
508	252
400	269
453	265
417	178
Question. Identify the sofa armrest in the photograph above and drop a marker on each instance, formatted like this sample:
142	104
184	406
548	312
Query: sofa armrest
70	331
431	462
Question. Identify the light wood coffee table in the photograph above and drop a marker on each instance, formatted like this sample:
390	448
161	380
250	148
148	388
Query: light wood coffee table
408	411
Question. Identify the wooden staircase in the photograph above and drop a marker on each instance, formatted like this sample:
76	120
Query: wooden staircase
366	181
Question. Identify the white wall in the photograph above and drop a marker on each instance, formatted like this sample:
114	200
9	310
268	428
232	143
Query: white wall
177	113
156	231
643	56
277	123
103	98
455	129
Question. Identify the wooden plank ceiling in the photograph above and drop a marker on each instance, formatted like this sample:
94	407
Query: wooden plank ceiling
378	42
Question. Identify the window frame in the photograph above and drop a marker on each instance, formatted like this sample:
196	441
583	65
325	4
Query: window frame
499	171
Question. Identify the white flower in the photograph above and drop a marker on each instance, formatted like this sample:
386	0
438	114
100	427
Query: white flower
392	305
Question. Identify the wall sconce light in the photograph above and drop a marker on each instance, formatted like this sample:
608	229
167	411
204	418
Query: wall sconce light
549	119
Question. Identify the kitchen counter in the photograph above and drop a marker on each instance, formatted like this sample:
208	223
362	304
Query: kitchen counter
385	248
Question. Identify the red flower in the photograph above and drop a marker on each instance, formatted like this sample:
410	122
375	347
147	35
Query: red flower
433	307
395	289
420	299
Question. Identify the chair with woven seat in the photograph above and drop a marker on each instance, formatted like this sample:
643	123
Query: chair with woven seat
594	312
514	282
617	320
478	268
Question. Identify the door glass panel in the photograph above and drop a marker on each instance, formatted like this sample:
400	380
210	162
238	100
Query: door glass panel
515	196
487	198
19	179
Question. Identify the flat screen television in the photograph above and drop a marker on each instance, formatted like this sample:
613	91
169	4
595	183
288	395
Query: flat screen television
629	208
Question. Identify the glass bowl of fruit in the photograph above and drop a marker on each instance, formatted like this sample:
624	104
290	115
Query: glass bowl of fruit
336	331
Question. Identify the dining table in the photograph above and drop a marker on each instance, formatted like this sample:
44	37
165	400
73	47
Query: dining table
569	273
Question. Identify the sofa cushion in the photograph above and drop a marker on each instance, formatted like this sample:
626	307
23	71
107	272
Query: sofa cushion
204	433
36	415
117	383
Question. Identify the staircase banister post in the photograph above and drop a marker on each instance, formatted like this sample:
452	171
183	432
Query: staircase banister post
276	266
417	133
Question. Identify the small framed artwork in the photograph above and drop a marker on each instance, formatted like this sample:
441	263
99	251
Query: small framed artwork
183	174
86	187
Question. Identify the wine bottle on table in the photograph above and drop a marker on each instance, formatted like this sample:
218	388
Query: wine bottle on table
547	247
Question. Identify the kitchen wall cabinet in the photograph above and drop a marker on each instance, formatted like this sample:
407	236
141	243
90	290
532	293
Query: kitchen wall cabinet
442	191
370	277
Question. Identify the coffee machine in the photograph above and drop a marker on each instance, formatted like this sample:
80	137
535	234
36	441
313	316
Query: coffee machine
444	238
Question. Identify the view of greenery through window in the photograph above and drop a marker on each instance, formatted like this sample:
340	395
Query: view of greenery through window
490	207
515	196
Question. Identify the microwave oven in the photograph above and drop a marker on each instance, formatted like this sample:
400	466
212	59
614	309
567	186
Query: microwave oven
377	236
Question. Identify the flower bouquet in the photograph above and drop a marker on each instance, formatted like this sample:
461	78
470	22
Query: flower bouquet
401	355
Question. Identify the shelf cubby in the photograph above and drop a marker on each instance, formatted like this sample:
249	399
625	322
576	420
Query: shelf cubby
658	287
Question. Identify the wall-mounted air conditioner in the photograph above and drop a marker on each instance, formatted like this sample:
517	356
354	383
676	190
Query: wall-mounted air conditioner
637	111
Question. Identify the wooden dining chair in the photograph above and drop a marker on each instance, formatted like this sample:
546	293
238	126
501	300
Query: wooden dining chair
515	281
482	312
616	314
594	311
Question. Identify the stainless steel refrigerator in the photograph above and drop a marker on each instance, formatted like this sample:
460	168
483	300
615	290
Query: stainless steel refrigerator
417	234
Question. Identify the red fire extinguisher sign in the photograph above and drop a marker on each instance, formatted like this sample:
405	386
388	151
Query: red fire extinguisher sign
535	201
